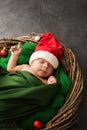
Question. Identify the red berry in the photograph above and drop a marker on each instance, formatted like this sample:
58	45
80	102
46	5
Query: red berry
37	124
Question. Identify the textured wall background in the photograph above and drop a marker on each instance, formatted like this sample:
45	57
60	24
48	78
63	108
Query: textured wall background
67	19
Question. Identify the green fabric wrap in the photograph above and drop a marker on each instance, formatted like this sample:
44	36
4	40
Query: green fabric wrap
24	98
21	93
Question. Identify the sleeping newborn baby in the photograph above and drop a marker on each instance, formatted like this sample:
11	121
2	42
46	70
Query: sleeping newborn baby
42	62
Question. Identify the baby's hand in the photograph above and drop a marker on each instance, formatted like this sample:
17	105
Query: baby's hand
52	80
16	49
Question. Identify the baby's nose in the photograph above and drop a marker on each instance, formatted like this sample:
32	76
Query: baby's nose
46	64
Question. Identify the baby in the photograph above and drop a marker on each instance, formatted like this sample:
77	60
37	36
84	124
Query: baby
42	62
39	67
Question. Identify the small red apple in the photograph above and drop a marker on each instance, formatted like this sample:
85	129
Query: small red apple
37	124
3	52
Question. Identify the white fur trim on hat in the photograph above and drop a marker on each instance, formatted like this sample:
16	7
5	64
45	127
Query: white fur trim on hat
45	55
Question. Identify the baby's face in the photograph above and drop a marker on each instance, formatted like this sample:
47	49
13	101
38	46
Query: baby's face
42	68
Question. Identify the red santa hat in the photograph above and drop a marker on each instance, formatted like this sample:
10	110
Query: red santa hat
48	48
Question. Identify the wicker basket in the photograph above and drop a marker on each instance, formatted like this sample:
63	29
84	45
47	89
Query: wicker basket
67	115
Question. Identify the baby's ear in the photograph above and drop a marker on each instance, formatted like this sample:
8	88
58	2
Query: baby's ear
31	63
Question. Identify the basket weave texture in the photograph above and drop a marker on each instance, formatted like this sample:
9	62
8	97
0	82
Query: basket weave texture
67	115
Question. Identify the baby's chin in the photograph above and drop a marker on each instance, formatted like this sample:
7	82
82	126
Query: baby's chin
43	76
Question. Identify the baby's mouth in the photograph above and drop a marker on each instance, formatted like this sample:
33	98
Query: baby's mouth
44	71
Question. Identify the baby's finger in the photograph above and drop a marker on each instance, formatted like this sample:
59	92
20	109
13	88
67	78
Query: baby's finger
13	48
19	44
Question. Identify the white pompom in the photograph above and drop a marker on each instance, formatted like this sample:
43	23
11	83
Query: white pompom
37	38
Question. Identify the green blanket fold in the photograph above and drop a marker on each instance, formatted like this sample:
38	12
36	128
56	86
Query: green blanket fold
21	93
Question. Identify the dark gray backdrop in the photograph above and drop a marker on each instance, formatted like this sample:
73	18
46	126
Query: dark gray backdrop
67	19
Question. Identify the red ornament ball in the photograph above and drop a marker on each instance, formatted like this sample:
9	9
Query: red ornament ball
37	124
3	52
